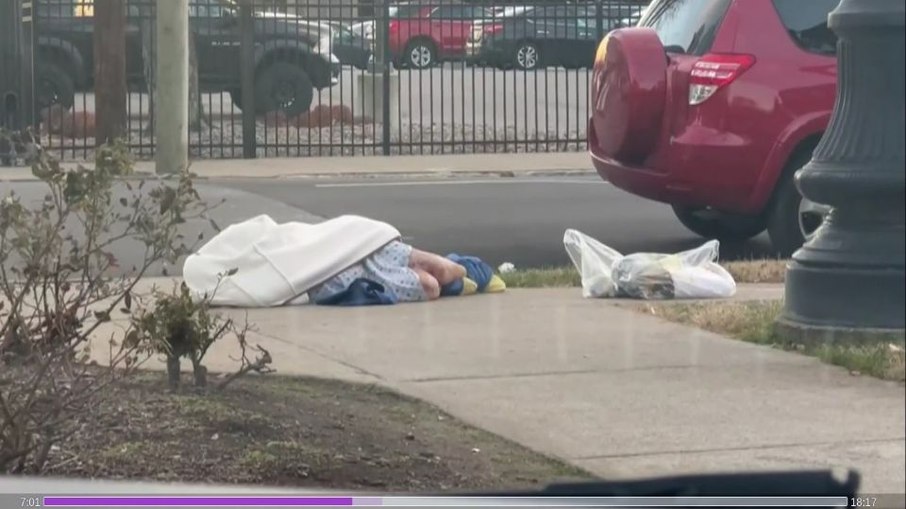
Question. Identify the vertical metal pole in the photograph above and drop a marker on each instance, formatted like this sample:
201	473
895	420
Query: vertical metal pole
847	282
384	62
247	77
380	32
27	41
599	17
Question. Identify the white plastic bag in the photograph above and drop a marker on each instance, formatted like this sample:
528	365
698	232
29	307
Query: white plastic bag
594	261
692	274
700	277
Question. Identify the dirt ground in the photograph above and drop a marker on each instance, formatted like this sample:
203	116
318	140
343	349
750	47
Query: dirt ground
284	431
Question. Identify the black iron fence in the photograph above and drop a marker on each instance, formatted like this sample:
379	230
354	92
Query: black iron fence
343	77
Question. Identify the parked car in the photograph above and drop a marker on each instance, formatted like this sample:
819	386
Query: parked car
498	16
563	35
403	10
291	58
349	47
421	42
712	106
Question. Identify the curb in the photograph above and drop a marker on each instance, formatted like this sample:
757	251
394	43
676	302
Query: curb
410	174
358	174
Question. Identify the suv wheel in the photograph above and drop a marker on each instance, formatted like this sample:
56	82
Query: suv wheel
53	86
794	219
420	54
283	86
716	225
528	56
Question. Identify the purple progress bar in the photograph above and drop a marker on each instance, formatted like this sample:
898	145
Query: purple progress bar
164	501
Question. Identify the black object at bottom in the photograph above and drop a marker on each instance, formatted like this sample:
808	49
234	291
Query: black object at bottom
762	484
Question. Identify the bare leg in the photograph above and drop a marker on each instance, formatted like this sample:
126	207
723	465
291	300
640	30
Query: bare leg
444	271
429	284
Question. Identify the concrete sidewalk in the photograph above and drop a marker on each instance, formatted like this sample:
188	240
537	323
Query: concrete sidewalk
618	393
523	164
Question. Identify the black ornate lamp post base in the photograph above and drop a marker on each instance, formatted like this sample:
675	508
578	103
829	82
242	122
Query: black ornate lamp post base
850	276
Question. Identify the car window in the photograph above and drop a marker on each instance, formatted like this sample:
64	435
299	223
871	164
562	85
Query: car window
611	16
507	12
687	26
460	12
205	9
557	14
405	11
806	23
448	12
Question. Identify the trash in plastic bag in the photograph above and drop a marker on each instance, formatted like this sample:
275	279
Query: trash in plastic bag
692	274
594	261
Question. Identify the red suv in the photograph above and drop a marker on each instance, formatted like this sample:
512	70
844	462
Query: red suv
441	33
711	106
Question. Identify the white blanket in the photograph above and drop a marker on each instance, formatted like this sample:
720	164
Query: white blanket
277	263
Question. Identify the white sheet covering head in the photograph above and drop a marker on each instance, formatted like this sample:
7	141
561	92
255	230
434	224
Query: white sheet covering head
276	263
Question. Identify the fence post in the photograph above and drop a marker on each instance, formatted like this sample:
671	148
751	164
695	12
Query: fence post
385	63
599	17
27	40
110	70
9	65
247	78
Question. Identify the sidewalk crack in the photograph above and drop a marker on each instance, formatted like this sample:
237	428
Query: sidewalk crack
589	371
357	369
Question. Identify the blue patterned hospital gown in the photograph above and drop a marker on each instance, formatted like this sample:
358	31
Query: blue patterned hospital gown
388	266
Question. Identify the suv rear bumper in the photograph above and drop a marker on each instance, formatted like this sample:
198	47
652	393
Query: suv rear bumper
640	181
696	175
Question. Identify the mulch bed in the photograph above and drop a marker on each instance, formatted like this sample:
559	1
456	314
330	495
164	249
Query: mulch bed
275	430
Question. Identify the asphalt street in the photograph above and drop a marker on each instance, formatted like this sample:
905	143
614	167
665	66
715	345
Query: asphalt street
517	220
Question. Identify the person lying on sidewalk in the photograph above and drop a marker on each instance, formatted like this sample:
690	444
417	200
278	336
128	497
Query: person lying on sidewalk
348	260
410	274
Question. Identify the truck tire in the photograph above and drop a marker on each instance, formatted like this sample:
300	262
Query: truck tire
283	86
53	85
716	225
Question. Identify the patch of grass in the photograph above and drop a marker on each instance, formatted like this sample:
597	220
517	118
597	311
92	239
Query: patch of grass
747	271
757	271
755	322
115	452
545	277
257	459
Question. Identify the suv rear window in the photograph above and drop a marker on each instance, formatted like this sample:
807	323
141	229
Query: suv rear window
686	26
806	23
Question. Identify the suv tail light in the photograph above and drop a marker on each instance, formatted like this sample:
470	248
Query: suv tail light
714	71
